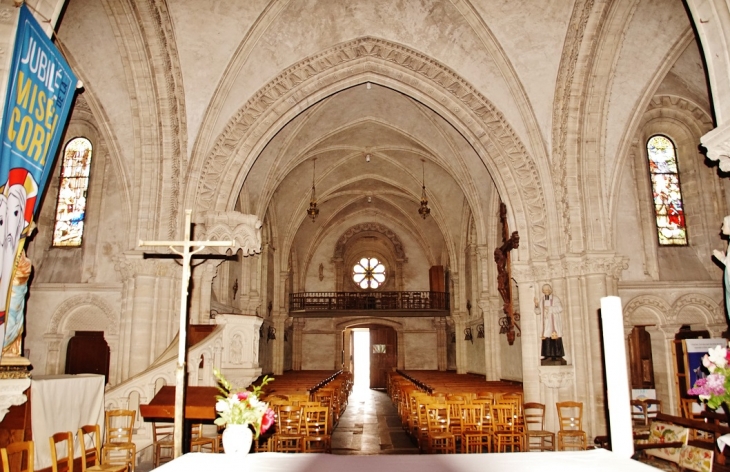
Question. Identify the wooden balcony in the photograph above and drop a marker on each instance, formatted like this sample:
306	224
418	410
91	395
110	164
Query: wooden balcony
328	304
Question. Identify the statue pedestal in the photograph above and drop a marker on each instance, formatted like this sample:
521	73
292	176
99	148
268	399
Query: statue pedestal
553	361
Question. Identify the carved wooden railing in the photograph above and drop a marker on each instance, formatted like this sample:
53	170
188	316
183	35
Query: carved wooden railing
402	301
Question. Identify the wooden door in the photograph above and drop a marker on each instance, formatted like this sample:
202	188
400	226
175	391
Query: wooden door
383	355
640	360
88	353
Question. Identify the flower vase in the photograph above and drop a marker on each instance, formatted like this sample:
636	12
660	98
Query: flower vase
237	439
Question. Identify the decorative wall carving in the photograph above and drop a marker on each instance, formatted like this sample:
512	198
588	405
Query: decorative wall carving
375	227
245	230
441	84
666	313
556	379
69	306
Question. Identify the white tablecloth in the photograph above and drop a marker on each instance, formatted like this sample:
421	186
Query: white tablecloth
63	403
595	461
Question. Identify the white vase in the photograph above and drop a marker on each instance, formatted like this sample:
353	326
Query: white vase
237	439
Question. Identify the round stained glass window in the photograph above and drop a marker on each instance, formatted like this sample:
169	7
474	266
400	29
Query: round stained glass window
368	273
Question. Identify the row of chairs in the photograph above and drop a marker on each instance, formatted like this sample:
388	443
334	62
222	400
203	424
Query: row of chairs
483	421
95	457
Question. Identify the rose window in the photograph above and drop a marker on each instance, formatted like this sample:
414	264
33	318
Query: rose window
368	273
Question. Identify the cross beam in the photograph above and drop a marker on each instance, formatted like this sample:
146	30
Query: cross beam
186	255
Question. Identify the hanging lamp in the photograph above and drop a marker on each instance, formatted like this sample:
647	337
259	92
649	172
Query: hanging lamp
313	211
424	211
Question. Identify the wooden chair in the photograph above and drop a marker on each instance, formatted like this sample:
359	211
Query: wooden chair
440	439
288	420
199	442
536	437
162	443
315	424
118	448
474	436
570	418
90	441
66	462
25	449
505	432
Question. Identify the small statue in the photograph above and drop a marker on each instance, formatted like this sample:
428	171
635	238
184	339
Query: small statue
549	307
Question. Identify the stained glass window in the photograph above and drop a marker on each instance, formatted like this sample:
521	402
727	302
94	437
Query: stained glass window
668	206
368	273
71	206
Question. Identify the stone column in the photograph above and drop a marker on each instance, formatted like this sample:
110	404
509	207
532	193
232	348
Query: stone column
201	289
490	308
441	355
528	323
399	283
296	352
146	282
552	379
461	359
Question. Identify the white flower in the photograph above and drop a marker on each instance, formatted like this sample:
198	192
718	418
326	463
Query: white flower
708	364
717	356
221	405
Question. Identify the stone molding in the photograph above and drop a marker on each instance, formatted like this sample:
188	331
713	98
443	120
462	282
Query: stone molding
567	78
569	267
390	60
374	227
67	308
667	314
244	229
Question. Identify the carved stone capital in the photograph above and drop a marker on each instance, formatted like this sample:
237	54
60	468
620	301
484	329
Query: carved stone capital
557	376
244	230
132	263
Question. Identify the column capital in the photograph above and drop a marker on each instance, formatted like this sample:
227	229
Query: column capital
556	376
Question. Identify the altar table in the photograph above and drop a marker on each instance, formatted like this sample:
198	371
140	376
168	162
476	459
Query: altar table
597	460
63	403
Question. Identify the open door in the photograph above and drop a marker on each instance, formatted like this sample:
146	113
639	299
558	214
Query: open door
383	355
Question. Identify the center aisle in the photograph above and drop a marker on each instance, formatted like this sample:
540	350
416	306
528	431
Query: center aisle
370	425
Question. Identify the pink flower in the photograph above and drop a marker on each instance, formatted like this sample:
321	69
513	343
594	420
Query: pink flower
243	395
267	420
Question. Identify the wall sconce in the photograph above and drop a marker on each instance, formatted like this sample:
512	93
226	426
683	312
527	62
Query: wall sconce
261	331
480	331
235	288
286	335
453	337
272	334
467	335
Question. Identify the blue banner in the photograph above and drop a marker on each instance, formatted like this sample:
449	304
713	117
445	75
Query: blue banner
41	88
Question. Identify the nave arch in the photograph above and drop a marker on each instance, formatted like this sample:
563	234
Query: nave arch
217	176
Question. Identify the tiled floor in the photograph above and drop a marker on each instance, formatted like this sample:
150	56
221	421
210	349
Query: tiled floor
370	425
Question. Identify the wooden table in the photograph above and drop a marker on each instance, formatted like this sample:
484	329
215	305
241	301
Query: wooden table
199	404
199	408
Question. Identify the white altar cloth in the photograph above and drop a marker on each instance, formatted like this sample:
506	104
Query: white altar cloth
597	460
63	403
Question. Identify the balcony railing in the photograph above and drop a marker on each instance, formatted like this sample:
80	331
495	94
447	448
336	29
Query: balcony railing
356	301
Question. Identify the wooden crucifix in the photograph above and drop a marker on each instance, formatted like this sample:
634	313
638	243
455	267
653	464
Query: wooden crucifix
502	258
186	255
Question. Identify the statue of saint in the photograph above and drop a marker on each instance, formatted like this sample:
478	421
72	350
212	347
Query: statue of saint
548	306
724	259
12	344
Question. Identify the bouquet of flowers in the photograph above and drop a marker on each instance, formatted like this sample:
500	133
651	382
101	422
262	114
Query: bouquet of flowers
715	387
239	406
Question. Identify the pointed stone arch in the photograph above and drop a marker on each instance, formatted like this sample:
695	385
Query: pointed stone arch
215	177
